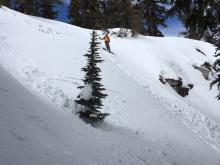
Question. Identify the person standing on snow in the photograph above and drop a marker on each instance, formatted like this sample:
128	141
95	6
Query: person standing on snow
106	39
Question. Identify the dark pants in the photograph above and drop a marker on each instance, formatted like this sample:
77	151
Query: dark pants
107	46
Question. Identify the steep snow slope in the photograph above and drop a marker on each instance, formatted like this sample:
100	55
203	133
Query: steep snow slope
149	122
34	132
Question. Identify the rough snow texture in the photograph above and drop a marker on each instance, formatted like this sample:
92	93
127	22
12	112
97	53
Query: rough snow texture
149	122
86	92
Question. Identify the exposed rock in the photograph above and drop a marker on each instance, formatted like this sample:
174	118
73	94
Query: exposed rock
177	85
205	69
207	66
198	50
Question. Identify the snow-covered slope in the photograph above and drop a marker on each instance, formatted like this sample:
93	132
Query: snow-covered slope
149	122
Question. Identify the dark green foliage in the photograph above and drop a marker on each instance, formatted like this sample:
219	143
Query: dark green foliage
85	13
115	14
27	6
137	23
100	14
41	8
216	65
122	14
75	12
47	8
181	8
105	14
154	15
5	3
90	108
200	17
119	14
126	13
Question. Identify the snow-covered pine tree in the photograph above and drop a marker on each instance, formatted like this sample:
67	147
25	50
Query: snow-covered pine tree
91	97
217	62
154	15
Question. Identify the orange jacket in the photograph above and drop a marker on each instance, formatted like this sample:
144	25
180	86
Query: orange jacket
106	38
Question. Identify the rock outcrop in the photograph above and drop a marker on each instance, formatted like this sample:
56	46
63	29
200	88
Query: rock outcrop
177	85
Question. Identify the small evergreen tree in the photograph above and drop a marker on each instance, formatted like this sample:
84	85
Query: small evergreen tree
90	106
217	62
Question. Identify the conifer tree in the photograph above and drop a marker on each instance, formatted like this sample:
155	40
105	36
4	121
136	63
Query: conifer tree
47	8
114	14
125	13
41	8
26	6
154	14
102	14
85	13
90	106
119	14
137	23
217	63
5	3
75	12
181	8
199	16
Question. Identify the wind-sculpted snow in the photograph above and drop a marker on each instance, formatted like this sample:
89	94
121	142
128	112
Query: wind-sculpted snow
149	122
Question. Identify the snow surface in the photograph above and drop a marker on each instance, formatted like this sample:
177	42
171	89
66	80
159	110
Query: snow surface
86	92
149	123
